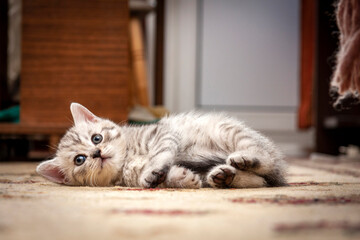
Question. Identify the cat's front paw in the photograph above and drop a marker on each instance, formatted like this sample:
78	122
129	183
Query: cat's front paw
153	178
221	176
243	161
180	177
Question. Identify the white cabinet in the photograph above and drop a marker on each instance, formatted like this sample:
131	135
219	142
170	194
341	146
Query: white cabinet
249	54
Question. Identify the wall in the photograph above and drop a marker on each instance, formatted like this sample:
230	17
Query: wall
249	54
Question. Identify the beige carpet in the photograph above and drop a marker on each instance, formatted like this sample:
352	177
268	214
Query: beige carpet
322	202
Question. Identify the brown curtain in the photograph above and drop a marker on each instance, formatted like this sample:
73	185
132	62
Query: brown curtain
308	34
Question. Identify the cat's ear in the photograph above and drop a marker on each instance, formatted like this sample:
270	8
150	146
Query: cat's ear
50	170
82	114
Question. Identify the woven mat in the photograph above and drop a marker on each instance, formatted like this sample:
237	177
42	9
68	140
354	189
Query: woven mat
322	202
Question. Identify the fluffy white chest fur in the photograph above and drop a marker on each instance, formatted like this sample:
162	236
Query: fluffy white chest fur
189	150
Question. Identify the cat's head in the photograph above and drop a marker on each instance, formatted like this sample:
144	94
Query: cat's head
90	153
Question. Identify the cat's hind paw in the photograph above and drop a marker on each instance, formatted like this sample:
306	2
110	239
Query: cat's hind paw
180	177
243	161
221	176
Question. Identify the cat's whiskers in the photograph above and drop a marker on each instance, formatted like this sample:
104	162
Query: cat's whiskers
98	165
119	123
93	180
93	175
97	176
87	178
70	120
90	175
55	148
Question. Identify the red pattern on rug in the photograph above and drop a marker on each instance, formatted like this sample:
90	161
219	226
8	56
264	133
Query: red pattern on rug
7	181
346	226
174	212
286	200
312	183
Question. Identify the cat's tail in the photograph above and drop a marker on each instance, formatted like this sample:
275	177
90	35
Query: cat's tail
277	176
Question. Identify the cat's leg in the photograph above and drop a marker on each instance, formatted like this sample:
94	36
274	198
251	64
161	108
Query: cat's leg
247	161
260	163
154	173
251	152
221	176
180	177
225	176
158	165
243	179
162	148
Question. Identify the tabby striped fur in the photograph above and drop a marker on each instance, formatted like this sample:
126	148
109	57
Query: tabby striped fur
189	150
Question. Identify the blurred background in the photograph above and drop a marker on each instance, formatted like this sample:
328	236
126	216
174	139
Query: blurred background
269	63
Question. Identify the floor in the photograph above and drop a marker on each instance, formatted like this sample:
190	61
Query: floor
322	202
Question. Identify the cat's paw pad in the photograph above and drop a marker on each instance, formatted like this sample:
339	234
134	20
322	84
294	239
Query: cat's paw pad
243	162
221	176
154	179
180	177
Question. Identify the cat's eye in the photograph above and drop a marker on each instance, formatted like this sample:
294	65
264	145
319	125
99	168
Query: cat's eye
96	138
79	160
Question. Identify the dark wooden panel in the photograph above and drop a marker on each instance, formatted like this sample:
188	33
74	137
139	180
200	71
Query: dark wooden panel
3	53
74	51
159	60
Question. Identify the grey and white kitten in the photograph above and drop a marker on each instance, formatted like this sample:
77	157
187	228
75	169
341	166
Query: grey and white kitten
190	150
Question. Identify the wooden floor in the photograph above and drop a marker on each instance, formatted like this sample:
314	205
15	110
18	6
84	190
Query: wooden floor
321	202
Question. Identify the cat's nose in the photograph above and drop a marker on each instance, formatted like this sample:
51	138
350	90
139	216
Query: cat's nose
97	153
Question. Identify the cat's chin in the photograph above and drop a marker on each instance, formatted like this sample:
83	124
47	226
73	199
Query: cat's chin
105	161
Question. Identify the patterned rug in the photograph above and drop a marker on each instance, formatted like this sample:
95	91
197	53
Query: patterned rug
322	202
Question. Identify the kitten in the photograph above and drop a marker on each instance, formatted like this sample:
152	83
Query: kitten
190	150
